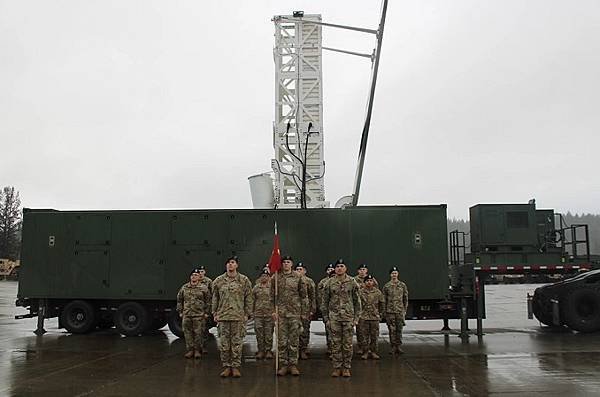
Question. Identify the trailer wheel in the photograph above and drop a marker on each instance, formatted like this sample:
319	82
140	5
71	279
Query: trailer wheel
78	317
582	310
175	324
131	319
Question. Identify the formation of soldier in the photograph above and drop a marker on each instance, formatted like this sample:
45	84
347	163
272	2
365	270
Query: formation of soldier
285	303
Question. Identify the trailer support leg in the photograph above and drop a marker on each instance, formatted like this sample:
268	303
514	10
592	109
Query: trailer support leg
446	326
41	314
479	309
464	319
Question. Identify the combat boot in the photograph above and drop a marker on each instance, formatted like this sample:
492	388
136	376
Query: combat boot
269	355
189	354
225	373
346	373
197	354
294	370
260	355
365	356
303	356
282	371
375	356
399	351
235	372
336	372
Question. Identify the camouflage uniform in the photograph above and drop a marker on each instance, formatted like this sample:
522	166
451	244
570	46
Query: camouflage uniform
291	306
361	283
312	305
320	288
193	303
372	303
396	303
209	321
232	304
263	316
341	308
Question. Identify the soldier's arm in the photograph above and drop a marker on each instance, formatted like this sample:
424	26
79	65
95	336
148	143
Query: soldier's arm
405	297
385	298
180	301
325	303
248	298
304	303
356	303
313	298
381	304
215	301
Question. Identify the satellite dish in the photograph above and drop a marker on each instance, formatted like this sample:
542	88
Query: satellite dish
343	202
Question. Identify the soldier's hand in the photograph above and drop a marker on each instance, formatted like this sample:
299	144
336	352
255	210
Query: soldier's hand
274	316
216	318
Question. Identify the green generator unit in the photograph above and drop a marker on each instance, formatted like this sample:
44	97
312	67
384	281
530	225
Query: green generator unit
98	268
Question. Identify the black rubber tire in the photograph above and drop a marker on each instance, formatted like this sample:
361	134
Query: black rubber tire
543	314
78	317
175	325
131	319
582	309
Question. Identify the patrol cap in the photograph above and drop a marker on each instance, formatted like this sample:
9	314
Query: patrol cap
196	271
369	277
265	271
394	269
329	267
363	266
286	258
340	262
300	265
198	268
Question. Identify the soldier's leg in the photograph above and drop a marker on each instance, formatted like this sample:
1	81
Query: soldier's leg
259	330
295	326
399	327
374	336
336	334
188	332
199	326
269	328
282	342
224	328
238	331
328	337
304	335
347	334
362	335
391	323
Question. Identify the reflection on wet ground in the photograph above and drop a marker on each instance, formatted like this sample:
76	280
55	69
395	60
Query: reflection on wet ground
516	357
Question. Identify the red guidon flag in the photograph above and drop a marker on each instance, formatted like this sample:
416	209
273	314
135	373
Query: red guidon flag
275	260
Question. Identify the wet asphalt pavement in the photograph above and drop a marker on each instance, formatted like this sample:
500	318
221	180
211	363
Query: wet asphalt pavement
516	357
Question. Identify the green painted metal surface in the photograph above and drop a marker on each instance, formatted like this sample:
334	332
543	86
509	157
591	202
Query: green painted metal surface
149	254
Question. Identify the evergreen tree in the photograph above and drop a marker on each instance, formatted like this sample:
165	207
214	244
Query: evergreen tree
10	223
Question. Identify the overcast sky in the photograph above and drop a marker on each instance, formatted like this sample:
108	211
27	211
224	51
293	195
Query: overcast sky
169	104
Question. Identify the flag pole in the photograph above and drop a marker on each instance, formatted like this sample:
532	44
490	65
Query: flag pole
276	318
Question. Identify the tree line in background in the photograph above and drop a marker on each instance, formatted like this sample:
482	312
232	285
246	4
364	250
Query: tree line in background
10	223
592	220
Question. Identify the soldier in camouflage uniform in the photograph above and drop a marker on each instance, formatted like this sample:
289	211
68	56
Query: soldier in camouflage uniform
204	279
372	302
292	307
329	273
341	309
362	271
395	294
312	305
231	307
193	305
263	315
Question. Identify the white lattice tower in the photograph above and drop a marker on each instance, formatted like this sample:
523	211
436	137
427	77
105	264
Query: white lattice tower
298	101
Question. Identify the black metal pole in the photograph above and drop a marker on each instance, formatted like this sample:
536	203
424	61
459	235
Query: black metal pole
365	132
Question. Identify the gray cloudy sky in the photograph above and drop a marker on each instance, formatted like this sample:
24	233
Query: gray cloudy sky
169	104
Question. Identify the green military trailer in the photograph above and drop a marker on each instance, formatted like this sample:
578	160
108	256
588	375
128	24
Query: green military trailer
98	268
